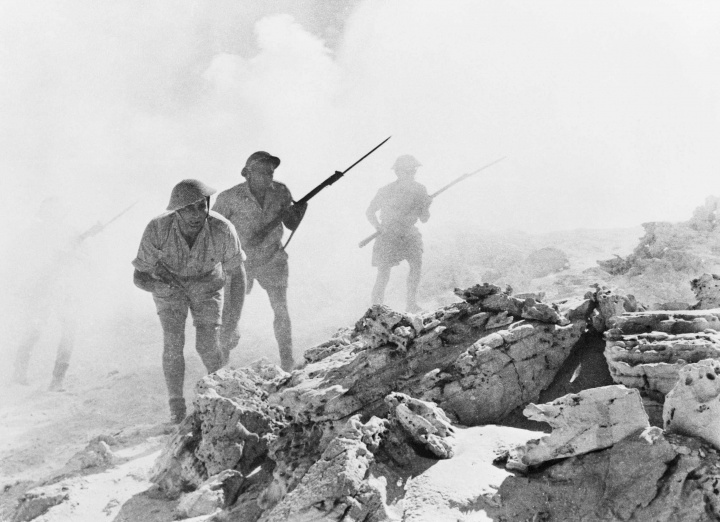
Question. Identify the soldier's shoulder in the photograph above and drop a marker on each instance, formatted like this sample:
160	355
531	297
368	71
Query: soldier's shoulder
232	191
419	187
217	221
279	185
281	190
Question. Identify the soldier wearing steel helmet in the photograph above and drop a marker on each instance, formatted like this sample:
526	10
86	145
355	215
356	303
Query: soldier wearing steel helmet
183	259
251	206
400	205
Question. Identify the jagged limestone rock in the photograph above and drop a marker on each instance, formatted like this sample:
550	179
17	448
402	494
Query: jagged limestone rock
646	477
651	361
230	429
336	487
500	372
668	321
692	407
707	291
282	431
214	494
38	501
425	424
96	454
587	421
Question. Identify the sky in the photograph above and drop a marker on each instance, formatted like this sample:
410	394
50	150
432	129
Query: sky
606	113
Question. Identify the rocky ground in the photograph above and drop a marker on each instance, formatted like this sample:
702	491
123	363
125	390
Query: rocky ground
102	450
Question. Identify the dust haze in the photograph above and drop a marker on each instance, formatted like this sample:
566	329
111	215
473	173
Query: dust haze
607	114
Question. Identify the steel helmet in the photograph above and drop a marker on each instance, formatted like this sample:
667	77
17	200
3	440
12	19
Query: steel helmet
187	192
259	156
406	161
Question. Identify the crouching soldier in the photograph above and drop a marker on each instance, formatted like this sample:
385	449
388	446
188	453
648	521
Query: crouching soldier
183	259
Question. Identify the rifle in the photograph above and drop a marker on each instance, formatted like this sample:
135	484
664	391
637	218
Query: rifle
166	276
99	227
454	182
265	230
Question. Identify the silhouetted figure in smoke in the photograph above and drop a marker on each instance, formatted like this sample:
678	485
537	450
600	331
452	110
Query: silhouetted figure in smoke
251	206
184	257
55	259
400	205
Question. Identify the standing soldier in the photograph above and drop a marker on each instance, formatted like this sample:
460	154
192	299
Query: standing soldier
253	207
400	204
183	259
56	260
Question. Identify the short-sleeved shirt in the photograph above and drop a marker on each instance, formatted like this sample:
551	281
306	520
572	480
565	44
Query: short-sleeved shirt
401	204
216	244
266	261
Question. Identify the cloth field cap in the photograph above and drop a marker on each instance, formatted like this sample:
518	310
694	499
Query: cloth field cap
406	161
187	192
260	156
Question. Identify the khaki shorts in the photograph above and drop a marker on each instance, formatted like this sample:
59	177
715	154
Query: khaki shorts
391	248
273	273
203	297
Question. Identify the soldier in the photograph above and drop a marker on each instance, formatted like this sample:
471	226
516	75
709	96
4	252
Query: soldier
56	261
184	257
251	206
400	204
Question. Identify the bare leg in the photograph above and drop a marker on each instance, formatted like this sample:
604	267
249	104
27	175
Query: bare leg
64	352
22	358
206	343
282	325
378	292
413	282
173	359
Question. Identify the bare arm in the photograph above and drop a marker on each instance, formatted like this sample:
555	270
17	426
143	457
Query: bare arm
234	298
144	281
371	214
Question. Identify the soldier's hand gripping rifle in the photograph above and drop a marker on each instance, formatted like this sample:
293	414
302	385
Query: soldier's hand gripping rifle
166	276
265	230
454	182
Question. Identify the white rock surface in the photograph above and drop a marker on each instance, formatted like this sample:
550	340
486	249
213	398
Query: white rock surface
692	407
587	421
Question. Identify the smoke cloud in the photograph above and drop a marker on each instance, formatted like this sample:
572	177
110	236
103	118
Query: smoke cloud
607	114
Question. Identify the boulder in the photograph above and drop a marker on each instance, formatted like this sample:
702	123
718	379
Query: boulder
646	477
587	421
707	291
651	361
546	261
214	494
692	407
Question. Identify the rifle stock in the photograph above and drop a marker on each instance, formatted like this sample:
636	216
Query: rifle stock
437	193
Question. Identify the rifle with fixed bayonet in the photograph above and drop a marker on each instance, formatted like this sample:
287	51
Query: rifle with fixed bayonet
99	227
270	226
437	193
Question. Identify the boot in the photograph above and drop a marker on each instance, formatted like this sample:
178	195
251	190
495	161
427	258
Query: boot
58	377
177	410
